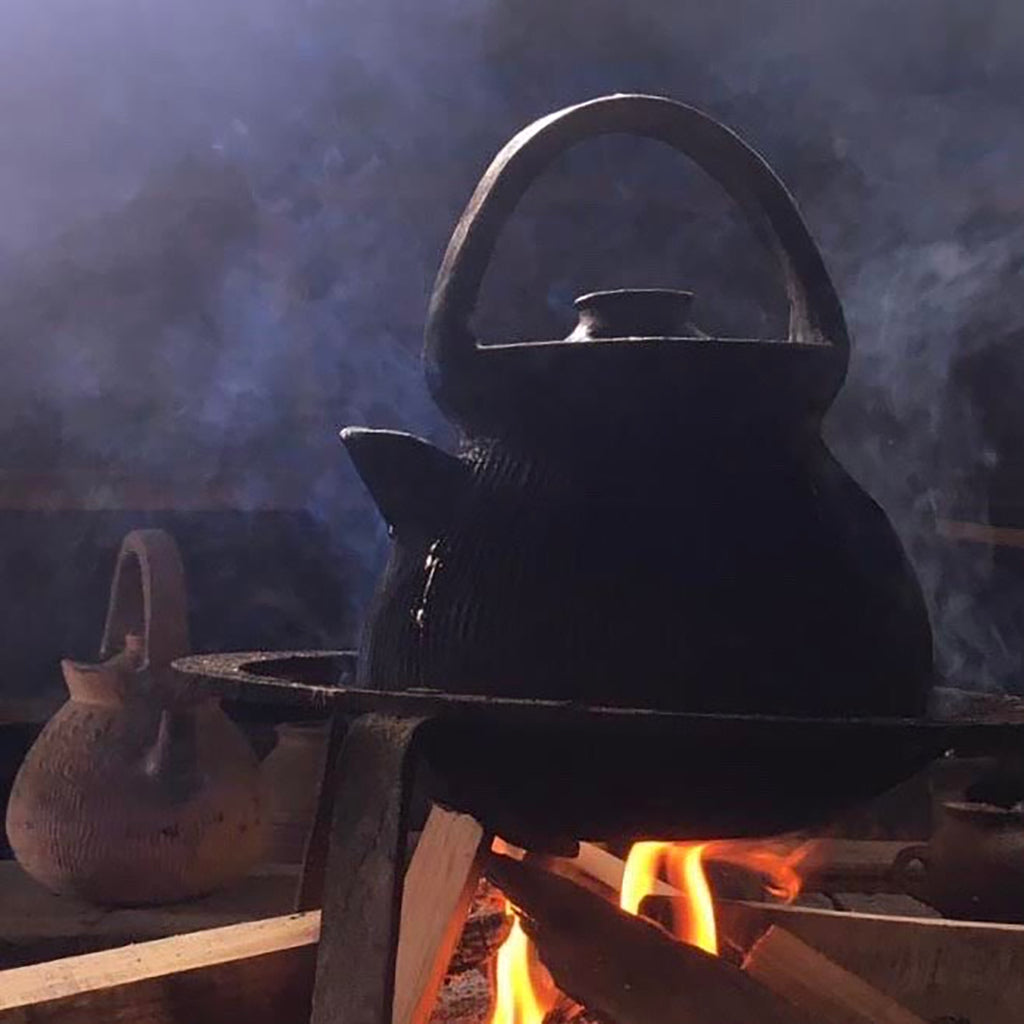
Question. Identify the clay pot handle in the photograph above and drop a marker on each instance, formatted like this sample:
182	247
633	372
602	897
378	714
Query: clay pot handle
147	598
450	349
910	882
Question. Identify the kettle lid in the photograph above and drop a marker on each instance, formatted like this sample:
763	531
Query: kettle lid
635	313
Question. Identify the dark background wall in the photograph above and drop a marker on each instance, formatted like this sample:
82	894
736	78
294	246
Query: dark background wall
220	220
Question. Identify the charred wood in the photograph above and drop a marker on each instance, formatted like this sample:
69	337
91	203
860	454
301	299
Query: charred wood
625	969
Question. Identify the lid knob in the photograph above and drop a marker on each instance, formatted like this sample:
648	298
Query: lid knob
633	313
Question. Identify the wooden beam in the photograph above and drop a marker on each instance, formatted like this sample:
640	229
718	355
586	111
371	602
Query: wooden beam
257	972
37	925
260	972
824	990
436	895
932	966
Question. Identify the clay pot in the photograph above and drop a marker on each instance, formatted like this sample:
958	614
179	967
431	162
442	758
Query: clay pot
136	792
973	866
292	774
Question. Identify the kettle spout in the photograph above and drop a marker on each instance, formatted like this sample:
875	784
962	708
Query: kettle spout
415	484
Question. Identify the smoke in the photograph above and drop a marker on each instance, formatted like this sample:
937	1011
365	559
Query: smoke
337	144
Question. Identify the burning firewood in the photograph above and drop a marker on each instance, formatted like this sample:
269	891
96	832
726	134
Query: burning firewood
485	930
624	969
438	890
808	979
781	961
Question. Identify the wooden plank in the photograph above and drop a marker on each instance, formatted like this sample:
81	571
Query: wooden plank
260	972
36	924
932	966
436	895
608	869
824	990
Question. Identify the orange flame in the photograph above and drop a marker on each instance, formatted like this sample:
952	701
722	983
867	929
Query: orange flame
683	863
523	990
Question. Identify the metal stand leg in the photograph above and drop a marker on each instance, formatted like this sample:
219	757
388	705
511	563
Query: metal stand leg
314	862
362	888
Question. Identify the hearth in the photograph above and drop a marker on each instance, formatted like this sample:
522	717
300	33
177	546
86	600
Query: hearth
582	638
531	772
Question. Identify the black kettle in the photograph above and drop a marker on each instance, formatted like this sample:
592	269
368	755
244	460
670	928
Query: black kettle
640	514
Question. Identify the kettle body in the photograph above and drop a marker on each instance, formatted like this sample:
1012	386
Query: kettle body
136	792
640	515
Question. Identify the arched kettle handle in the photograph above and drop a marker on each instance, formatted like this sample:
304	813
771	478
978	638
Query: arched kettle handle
147	598
815	313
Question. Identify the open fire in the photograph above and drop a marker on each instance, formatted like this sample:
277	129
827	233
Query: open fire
684	865
525	992
693	910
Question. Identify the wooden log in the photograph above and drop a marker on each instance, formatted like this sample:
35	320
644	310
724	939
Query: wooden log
827	992
436	895
37	925
932	966
740	924
624	969
260	972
